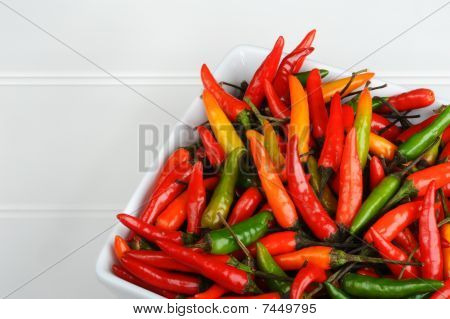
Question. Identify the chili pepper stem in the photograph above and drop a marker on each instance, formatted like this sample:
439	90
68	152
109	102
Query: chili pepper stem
443	200
325	174
444	221
352	78
311	294
409	259
370	89
341	258
405	122
244	118
237	87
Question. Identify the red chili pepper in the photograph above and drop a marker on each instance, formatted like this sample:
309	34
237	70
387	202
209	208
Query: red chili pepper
175	282
233	279
368	271
412	100
278	243
276	106
429	238
229	104
214	152
158	259
245	206
376	171
379	123
406	134
286	68
443	293
304	197
306	276
407	241
120	247
196	199
266	72
269	295
151	233
350	183
419	181
446	136
214	292
125	275
178	157
445	153
317	110
335	182
348	117
330	157
390	251
169	189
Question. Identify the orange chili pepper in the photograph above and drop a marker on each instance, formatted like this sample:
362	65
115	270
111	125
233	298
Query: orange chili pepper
381	147
120	247
330	88
277	196
445	242
299	124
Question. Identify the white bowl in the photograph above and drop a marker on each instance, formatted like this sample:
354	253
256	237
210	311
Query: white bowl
238	65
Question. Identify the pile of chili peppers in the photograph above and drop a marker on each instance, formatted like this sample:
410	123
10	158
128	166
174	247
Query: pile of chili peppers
300	186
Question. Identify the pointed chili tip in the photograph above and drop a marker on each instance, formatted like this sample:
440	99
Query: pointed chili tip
121	216
280	41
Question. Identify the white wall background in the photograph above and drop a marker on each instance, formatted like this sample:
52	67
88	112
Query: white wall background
69	133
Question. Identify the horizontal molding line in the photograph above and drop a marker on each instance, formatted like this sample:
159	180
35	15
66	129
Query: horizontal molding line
55	213
181	80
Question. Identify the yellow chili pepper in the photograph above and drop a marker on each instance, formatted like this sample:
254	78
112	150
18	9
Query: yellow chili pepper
272	147
381	147
363	119
332	87
299	124
254	134
223	129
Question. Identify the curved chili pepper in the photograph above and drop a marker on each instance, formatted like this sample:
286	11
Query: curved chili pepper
394	221
407	241
443	293
277	196
376	171
323	257
444	156
152	233
350	183
416	184
390	251
327	198
381	147
196	199
369	287
120	247
316	104
411	100
245	206
429	237
303	76
406	134
266	263
430	156
175	282
334	292
367	271
272	147
276	106
306	276
221	241
265	72
419	142
348	117
445	239
179	156
169	189
363	119
224	193
380	123
299	124
125	275
221	126
311	210
158	259
330	88
330	157
228	277
290	64
213	292
235	109
214	152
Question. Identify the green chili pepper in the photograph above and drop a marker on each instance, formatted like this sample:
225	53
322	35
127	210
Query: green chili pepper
424	295
376	102
363	120
375	202
303	76
420	141
327	198
267	264
221	241
334	292
224	193
369	287
248	176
